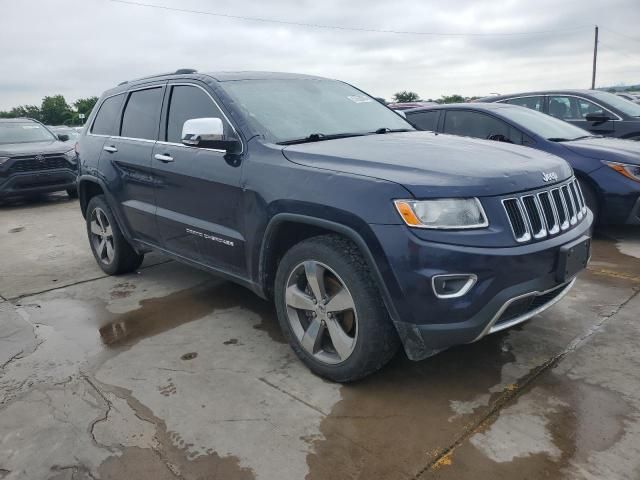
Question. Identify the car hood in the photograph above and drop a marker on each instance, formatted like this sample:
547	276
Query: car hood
605	148
434	165
34	148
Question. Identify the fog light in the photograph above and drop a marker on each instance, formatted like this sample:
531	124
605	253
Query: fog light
453	285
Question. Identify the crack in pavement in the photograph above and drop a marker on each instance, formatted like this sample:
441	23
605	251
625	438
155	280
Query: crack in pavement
514	390
98	420
291	395
79	282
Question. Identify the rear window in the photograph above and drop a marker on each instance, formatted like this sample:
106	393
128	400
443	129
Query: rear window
142	114
534	103
105	122
424	120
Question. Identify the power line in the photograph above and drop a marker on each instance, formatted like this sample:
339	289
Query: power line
338	27
637	39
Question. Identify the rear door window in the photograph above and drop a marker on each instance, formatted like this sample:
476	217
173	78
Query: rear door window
105	121
479	125
534	103
142	114
424	120
189	102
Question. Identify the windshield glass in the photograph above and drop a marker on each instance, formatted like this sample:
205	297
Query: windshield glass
24	132
625	106
285	110
541	124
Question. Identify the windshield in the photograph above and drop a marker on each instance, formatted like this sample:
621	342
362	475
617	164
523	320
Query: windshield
286	110
625	106
543	125
24	132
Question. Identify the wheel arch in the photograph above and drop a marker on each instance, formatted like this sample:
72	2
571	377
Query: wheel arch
278	239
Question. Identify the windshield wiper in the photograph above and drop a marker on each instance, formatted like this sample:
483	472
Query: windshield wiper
391	130
319	137
587	136
560	139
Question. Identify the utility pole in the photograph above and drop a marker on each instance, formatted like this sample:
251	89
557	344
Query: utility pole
595	59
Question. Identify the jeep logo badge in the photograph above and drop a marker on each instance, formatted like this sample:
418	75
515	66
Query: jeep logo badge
40	158
550	177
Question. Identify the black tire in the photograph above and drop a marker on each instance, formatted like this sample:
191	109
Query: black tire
72	192
376	341
124	258
590	198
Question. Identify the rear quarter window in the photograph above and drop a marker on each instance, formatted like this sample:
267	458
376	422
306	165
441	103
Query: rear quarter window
105	121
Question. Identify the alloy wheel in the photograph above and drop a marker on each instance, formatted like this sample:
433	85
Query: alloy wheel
102	236
321	312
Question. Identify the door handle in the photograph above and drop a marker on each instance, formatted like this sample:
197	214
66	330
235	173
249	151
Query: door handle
110	149
163	158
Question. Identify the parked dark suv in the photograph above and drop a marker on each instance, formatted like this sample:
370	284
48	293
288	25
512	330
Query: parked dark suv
601	113
34	160
364	231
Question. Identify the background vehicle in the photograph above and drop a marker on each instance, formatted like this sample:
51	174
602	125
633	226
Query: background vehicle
34	160
408	105
602	113
71	132
310	192
632	96
608	169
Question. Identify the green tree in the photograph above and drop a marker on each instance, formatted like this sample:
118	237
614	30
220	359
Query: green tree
85	105
406	96
29	111
451	99
55	111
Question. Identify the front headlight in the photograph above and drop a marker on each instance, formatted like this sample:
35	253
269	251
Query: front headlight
72	156
628	170
443	213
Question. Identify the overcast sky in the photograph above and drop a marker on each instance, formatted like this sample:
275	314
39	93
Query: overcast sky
82	47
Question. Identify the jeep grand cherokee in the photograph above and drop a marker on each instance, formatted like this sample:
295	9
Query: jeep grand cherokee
366	233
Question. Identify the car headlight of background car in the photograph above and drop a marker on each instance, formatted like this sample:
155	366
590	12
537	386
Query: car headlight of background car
626	169
71	155
443	213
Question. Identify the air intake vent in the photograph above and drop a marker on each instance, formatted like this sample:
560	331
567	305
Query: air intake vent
545	213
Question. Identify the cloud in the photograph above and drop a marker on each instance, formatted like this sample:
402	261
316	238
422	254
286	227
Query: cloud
83	47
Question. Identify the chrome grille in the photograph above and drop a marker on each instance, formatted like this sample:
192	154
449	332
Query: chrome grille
545	213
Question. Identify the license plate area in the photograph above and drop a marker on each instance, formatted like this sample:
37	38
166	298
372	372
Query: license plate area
572	258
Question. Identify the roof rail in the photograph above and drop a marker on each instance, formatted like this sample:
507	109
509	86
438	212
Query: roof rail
180	71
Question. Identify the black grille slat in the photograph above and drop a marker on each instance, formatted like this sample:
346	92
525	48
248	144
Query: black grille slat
527	304
547	210
33	165
557	199
533	214
516	218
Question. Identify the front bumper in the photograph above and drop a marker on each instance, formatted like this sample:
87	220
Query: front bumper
513	284
37	182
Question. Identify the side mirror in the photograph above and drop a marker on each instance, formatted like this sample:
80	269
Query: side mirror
208	133
597	117
63	137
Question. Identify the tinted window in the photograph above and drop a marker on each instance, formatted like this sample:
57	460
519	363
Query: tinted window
142	114
479	125
572	108
534	103
186	103
105	122
424	120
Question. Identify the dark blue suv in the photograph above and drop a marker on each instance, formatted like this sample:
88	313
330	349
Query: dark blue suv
367	233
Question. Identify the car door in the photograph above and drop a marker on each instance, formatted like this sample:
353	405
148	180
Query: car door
198	194
574	110
103	125
126	161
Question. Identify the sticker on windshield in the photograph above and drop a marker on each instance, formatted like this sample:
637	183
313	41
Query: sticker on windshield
359	98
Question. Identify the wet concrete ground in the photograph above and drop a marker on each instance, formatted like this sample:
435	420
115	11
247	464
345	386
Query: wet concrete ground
171	373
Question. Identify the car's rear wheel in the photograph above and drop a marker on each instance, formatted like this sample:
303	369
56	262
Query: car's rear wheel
330	309
111	250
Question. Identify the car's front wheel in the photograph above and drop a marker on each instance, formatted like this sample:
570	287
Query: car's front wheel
331	311
111	250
